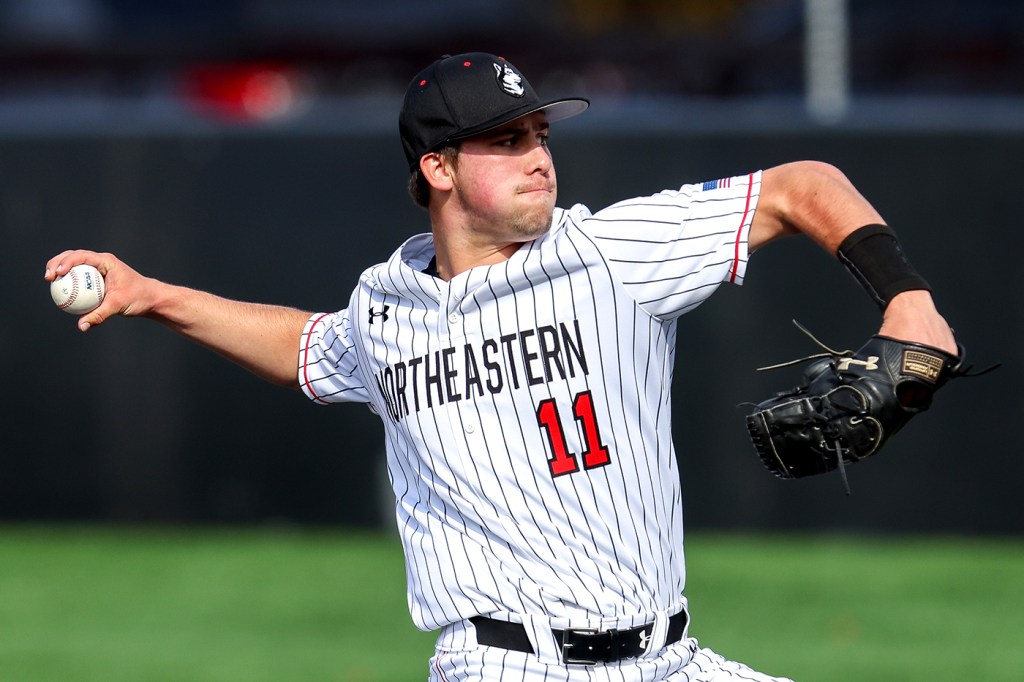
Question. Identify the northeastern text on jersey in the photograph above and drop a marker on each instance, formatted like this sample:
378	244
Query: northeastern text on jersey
455	373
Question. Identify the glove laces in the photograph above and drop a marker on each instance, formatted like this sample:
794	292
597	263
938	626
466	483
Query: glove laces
829	352
959	371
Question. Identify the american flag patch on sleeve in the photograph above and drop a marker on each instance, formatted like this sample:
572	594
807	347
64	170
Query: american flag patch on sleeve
717	184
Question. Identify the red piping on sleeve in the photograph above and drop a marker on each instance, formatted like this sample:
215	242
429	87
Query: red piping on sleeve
305	360
739	232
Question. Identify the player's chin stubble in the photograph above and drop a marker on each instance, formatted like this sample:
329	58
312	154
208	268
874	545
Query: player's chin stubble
533	222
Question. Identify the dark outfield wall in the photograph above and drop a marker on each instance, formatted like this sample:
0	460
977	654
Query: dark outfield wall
129	423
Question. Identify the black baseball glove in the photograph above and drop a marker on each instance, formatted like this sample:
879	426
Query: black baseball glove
848	405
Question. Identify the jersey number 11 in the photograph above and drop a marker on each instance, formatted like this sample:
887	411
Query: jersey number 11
563	461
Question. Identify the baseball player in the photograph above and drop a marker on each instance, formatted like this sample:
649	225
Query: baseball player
520	357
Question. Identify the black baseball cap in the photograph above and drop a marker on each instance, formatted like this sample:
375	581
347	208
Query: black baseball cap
462	95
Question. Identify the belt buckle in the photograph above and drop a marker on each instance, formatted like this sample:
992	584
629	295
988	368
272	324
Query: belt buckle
567	656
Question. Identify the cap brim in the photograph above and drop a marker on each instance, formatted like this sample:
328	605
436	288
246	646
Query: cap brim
556	110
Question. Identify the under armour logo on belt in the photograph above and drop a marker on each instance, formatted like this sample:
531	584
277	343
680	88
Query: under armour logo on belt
645	639
383	314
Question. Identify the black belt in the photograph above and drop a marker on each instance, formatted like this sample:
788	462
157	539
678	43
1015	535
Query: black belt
579	646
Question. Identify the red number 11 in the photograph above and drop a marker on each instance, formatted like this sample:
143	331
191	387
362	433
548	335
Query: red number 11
563	461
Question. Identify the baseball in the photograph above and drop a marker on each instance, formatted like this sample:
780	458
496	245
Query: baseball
79	291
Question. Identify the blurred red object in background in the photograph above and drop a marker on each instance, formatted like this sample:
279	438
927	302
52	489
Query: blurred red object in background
247	92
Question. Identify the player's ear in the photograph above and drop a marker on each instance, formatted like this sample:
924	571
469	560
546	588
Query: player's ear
437	171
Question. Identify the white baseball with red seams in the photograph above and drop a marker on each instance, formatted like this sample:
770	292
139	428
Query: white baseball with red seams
79	291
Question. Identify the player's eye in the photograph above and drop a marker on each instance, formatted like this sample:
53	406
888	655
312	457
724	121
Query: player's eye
515	139
509	141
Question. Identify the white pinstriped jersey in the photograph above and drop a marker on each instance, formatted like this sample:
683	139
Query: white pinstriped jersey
526	405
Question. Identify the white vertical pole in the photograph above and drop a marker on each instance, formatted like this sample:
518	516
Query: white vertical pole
826	59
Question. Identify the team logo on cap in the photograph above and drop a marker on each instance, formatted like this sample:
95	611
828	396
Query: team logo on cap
510	81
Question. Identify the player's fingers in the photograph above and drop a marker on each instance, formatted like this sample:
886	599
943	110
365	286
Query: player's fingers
90	320
55	264
62	262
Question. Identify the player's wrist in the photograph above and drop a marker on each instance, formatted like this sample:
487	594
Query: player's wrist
875	258
170	304
912	316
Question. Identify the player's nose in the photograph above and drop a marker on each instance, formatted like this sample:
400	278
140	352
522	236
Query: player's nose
539	159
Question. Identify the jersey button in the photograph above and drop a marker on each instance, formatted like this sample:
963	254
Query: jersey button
470	427
453	318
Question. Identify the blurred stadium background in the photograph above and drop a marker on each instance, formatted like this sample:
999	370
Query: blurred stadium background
250	147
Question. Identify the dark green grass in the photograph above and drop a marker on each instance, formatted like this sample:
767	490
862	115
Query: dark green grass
117	604
147	605
847	609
